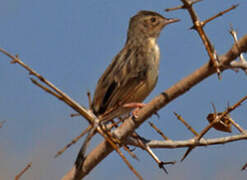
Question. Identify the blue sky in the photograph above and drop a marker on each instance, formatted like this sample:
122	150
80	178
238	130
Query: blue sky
71	43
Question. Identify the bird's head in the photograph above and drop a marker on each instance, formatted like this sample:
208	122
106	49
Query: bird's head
147	24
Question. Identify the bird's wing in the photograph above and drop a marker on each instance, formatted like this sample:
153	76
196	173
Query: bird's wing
122	78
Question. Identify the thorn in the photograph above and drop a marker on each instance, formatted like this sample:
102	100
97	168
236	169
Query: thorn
161	166
186	153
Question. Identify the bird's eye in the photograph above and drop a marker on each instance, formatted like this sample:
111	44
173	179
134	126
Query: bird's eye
153	19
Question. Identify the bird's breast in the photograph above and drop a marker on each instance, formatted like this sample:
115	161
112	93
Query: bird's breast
154	52
153	64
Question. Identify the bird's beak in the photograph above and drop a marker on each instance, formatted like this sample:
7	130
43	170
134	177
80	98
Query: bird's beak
170	20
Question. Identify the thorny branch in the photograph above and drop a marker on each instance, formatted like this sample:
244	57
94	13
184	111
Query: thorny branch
198	26
242	63
122	132
179	117
160	101
88	115
181	6
203	23
160	144
217	119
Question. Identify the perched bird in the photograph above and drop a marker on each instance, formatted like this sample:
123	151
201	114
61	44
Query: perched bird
133	73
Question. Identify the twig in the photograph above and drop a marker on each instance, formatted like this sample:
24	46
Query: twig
18	176
181	6
160	101
88	115
216	120
199	28
160	163
144	146
73	141
174	8
80	109
242	63
161	144
179	117
34	81
124	158
203	23
227	111
158	131
239	128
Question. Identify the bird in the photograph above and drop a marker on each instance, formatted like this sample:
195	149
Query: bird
133	72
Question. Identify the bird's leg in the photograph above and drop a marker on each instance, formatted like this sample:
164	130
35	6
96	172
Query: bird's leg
135	105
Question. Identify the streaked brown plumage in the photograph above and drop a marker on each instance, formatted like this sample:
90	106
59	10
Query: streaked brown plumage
133	73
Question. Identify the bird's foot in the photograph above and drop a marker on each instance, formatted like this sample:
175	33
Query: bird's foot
135	105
